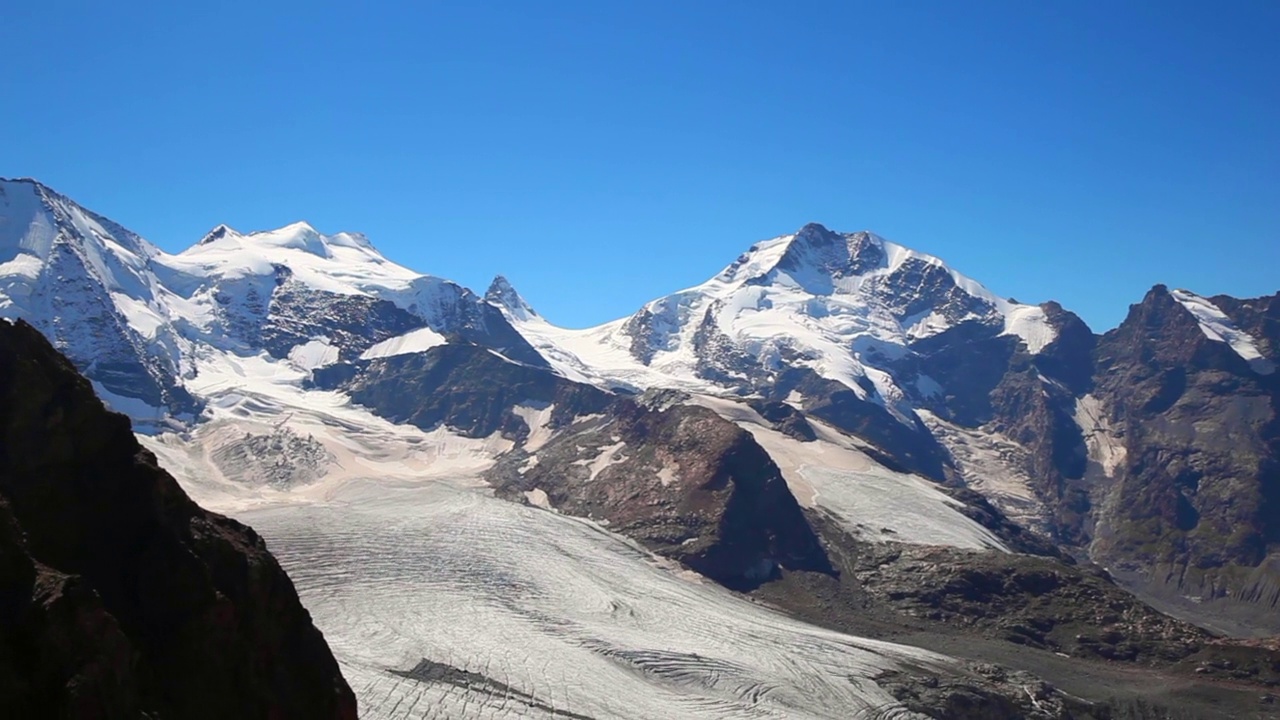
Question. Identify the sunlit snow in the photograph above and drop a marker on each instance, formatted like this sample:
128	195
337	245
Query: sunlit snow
1217	326
801	315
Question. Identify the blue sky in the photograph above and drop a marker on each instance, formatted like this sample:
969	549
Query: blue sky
601	154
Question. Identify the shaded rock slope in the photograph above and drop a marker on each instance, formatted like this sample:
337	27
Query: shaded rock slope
119	596
1190	500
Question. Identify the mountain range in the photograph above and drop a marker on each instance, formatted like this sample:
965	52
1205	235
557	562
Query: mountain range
832	421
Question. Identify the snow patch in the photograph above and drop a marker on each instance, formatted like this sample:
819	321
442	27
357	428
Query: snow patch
1101	441
609	455
836	474
1030	323
1217	326
411	342
537	497
667	475
537	416
313	354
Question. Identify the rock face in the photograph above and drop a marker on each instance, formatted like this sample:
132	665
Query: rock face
119	596
680	479
465	387
1192	489
1028	601
1155	448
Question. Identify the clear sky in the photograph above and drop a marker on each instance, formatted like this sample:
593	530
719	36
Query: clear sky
603	153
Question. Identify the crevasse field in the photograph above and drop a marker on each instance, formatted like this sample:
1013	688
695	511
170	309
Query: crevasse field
442	602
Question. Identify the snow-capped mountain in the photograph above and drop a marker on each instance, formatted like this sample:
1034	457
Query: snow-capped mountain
502	295
143	323
317	298
87	284
1076	436
844	306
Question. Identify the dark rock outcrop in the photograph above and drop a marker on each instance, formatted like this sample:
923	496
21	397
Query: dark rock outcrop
682	481
352	323
119	596
1195	502
465	387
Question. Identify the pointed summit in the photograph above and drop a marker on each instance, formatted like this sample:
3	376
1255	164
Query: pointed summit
218	233
816	231
825	254
503	296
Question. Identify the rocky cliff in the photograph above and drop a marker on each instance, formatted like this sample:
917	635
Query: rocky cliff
119	596
1191	499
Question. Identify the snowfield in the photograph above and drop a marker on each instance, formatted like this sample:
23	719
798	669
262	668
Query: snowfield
1217	326
866	498
508	611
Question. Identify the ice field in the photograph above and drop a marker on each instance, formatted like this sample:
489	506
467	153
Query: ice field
443	602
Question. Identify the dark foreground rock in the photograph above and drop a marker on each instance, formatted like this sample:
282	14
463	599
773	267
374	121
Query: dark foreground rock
119	596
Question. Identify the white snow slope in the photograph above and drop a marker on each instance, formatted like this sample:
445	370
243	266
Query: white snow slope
835	473
103	294
1217	326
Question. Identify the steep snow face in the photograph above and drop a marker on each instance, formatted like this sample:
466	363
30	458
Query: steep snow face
1217	326
834	472
411	342
842	305
36	220
86	283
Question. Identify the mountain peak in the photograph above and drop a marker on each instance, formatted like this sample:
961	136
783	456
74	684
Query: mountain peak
34	218
22	181
218	233
814	229
301	226
814	248
504	296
